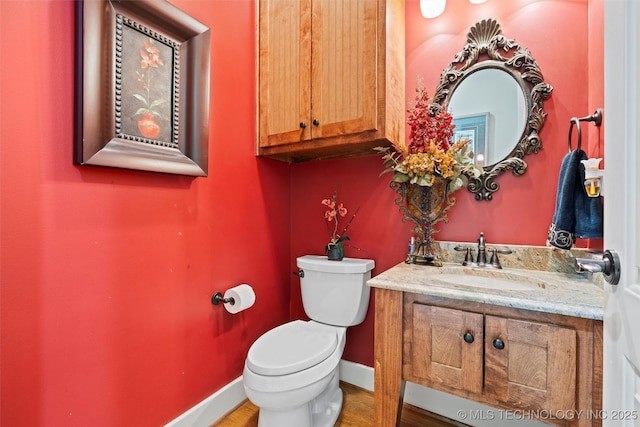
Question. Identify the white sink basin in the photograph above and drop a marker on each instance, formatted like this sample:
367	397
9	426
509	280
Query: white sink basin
485	282
488	279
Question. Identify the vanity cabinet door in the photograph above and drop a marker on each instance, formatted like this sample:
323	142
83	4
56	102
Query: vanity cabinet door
530	364
446	348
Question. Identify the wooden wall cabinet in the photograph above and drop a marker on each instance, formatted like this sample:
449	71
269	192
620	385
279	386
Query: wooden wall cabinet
507	358
330	77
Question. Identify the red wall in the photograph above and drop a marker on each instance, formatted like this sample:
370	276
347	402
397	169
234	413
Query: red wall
557	34
107	274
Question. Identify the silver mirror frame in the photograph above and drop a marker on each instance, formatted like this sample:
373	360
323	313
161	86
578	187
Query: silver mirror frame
485	48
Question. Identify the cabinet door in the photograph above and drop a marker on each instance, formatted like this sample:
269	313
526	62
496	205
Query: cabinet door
284	71
344	67
440	356
532	366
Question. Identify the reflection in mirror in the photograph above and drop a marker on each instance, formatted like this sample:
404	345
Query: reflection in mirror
496	101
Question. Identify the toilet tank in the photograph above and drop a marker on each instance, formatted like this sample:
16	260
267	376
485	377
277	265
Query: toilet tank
335	292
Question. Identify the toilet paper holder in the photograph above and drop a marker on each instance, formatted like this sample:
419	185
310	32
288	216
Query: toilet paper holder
218	299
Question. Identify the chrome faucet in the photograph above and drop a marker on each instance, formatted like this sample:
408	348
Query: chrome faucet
481	260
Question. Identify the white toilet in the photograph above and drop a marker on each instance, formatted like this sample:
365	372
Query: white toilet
291	372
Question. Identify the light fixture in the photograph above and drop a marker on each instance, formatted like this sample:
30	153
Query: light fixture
432	8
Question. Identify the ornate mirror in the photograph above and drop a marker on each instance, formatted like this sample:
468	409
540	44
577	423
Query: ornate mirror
496	101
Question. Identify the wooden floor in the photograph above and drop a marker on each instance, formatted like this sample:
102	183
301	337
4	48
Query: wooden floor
357	411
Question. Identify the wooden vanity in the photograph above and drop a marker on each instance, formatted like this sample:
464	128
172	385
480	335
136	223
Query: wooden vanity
535	352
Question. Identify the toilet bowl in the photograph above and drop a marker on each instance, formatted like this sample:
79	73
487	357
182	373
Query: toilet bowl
300	389
291	372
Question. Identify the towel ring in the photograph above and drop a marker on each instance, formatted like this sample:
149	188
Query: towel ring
596	118
575	121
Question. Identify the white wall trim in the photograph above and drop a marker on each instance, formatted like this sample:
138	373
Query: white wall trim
474	414
356	374
213	407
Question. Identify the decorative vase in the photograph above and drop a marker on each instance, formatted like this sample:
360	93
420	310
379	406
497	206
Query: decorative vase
424	206
148	126
335	251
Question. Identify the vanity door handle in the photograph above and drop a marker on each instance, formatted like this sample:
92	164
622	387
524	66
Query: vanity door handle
498	343
303	125
468	338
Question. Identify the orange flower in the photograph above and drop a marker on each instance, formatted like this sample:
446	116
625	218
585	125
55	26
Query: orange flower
150	56
330	214
329	202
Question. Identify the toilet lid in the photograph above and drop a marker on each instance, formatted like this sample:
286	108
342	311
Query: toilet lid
290	348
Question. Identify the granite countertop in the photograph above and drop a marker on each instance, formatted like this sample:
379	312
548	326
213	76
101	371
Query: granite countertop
562	292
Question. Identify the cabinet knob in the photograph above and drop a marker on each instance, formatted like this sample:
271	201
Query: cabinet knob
468	337
498	343
303	125
316	122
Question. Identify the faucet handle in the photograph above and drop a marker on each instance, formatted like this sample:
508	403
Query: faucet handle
495	262
468	258
503	251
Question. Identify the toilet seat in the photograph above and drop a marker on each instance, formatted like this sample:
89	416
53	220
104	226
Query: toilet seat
292	347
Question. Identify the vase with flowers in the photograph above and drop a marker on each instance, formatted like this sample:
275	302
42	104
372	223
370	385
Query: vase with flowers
334	211
427	171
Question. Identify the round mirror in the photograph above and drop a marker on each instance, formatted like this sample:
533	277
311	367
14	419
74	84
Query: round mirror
489	107
494	90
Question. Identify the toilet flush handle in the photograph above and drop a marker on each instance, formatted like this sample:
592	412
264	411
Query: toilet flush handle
299	273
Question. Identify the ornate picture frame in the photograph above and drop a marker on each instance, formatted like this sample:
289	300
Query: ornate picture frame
142	87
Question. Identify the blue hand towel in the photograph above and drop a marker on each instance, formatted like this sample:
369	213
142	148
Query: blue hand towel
576	214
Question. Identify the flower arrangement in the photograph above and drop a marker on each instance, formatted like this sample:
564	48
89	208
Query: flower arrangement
427	170
335	248
431	152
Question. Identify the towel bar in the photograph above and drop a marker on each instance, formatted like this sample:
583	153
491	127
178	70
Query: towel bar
596	118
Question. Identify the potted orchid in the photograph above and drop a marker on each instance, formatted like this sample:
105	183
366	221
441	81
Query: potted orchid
334	211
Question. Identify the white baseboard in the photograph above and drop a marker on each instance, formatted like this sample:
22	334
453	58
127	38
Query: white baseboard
356	374
213	407
466	411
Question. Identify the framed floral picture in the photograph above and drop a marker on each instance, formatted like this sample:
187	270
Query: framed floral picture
142	87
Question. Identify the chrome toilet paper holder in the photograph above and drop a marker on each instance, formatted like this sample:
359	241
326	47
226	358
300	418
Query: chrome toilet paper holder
218	299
